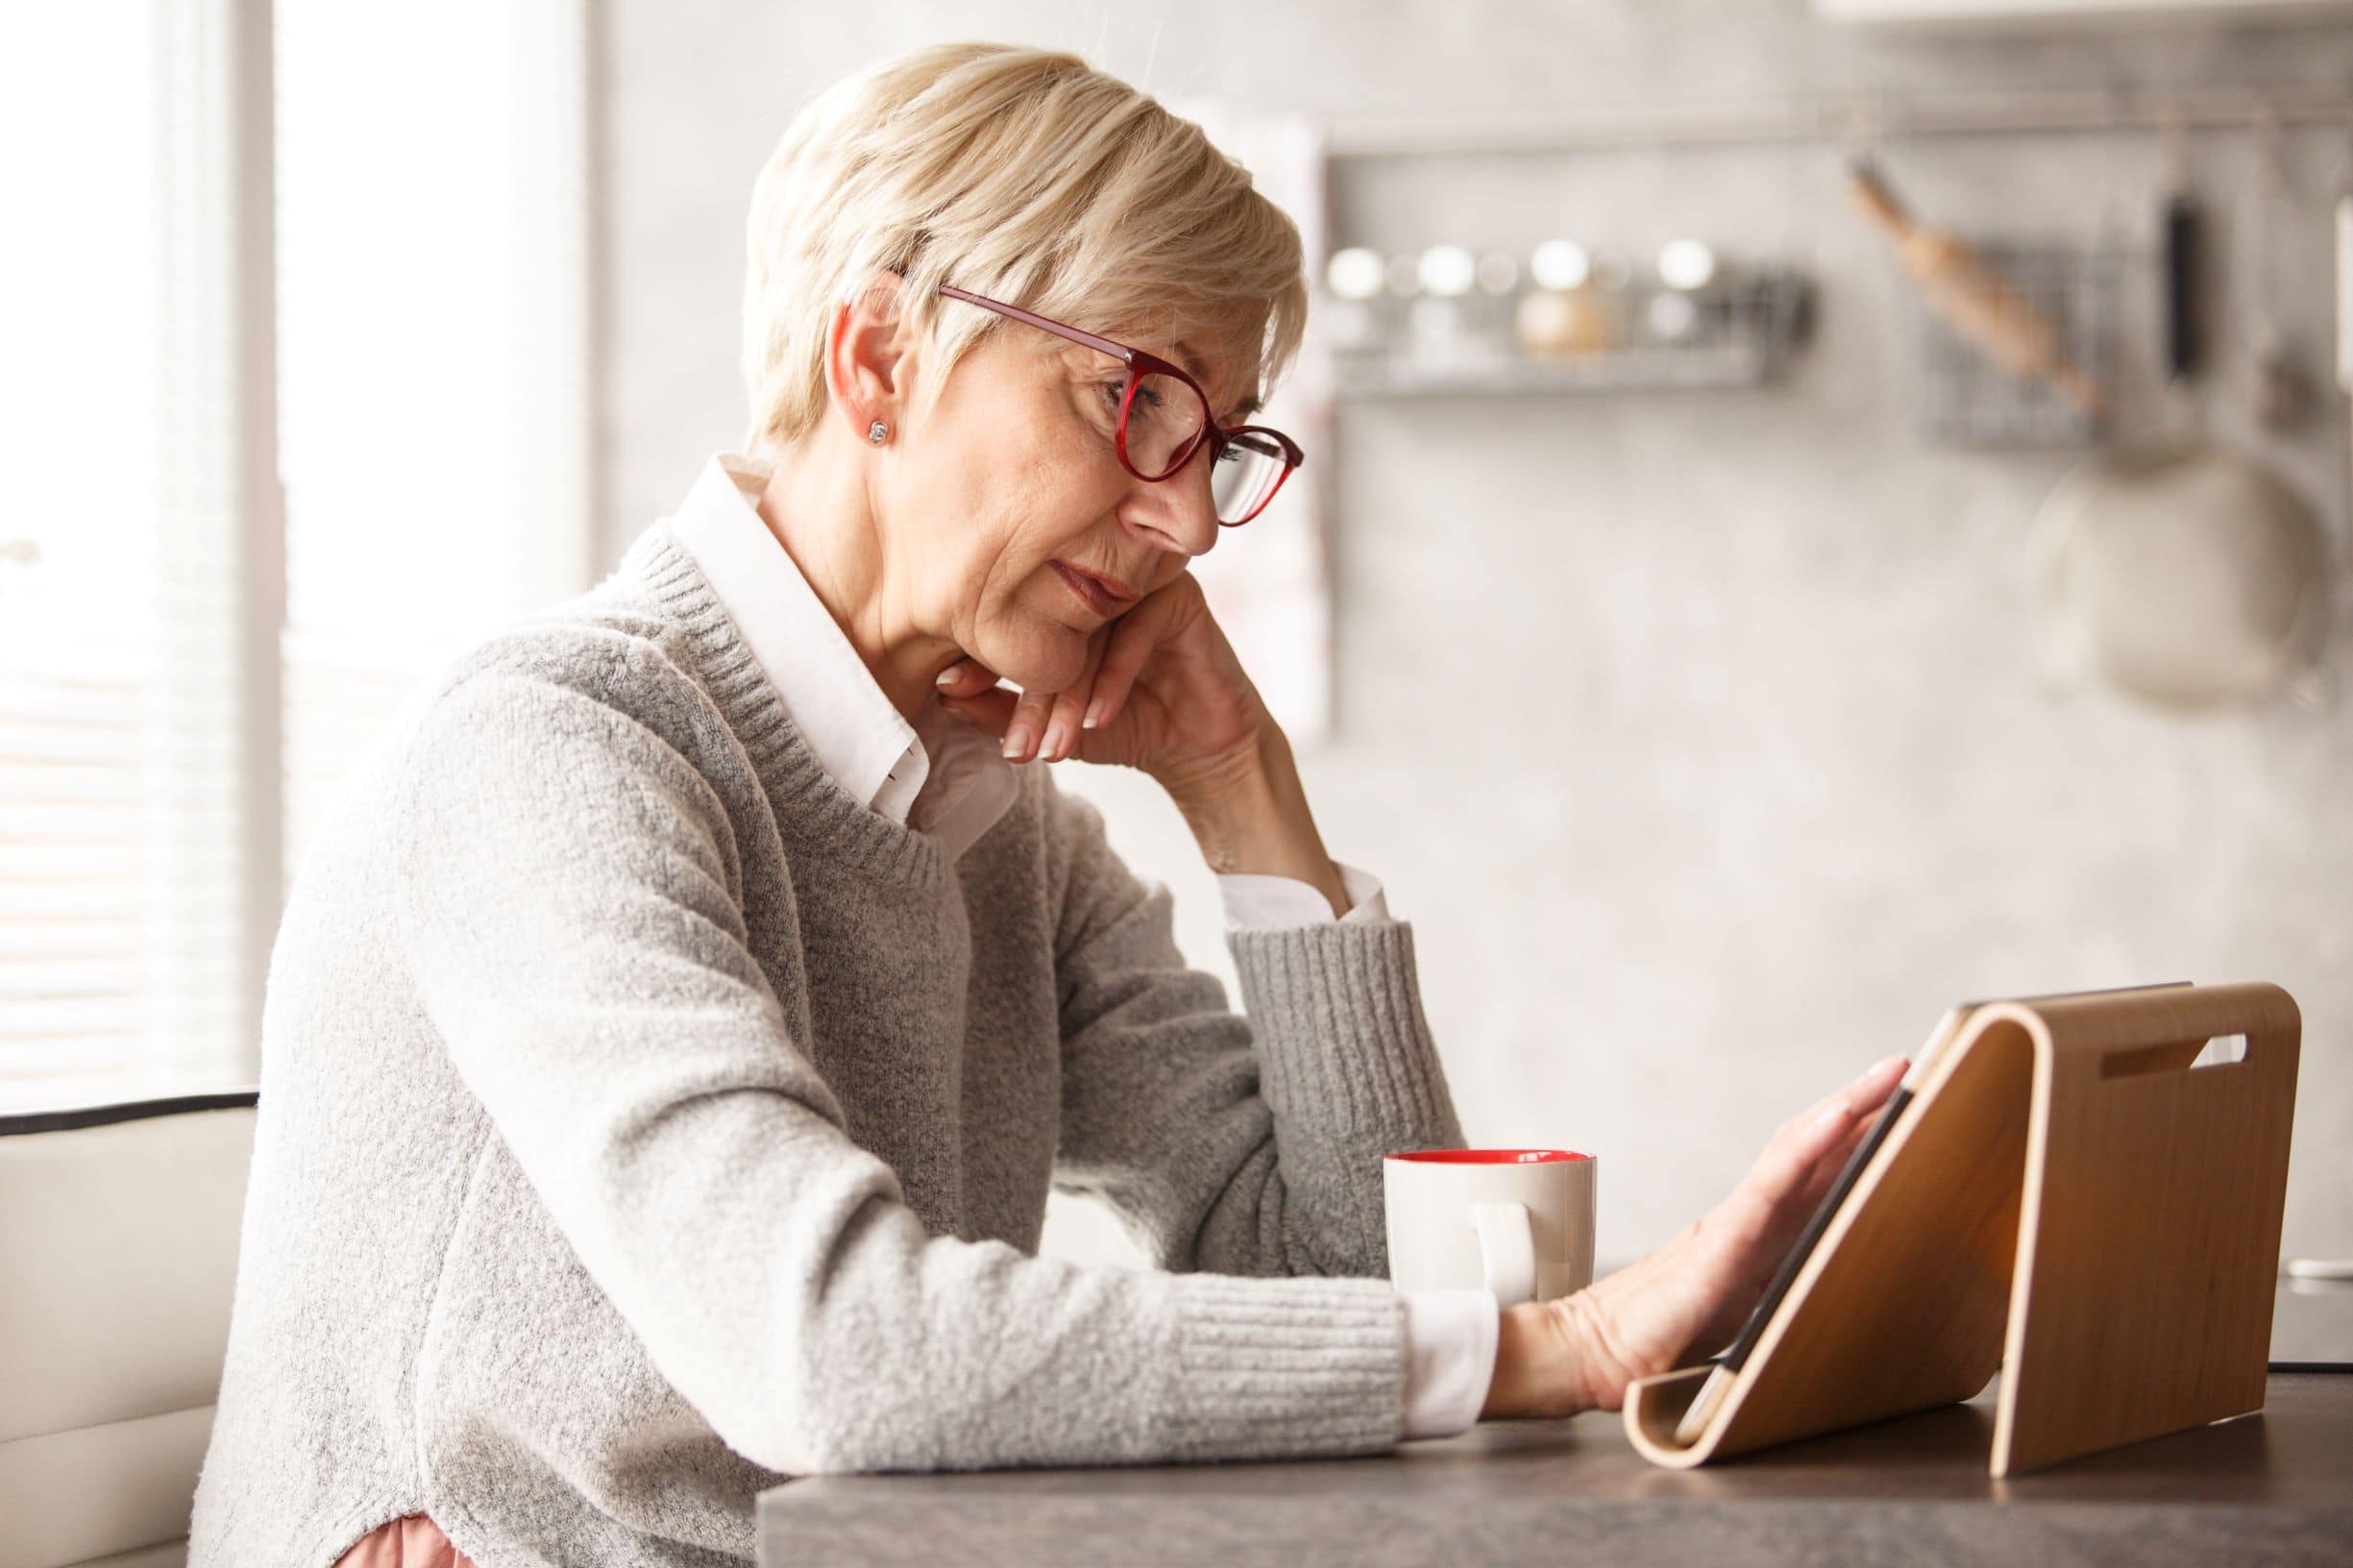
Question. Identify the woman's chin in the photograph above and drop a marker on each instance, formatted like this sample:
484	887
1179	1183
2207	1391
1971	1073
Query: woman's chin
1042	663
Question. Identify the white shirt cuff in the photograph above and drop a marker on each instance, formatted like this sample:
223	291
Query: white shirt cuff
1449	1359
1257	902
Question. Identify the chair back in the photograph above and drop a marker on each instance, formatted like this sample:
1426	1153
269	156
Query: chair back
118	1238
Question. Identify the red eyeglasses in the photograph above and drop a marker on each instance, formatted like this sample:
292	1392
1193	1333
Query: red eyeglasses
1165	418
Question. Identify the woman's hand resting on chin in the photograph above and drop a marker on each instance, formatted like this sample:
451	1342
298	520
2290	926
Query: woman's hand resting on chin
1689	1298
1161	691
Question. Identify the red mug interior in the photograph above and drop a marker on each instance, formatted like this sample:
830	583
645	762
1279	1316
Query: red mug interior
1490	1157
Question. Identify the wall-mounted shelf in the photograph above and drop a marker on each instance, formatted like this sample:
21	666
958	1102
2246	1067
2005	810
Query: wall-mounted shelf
1736	331
1626	370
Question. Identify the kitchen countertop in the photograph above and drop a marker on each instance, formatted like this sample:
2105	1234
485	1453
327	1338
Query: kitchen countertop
2272	1487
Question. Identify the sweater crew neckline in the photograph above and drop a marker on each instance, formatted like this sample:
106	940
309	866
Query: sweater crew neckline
788	766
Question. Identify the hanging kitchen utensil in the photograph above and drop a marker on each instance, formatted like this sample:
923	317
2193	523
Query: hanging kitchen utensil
2172	567
2344	293
2279	391
2178	230
2344	316
1972	296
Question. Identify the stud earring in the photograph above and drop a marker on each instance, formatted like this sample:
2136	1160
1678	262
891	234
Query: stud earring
879	432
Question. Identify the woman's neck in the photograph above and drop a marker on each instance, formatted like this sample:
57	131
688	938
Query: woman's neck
817	508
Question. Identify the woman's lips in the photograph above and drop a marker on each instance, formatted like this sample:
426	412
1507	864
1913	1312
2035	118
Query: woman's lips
1100	596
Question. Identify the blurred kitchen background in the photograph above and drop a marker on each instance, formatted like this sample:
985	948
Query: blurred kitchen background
1695	606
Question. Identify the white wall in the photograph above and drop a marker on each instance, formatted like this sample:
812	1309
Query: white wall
1710	716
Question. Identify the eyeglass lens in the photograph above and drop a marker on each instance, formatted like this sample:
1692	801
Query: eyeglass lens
1165	416
1246	473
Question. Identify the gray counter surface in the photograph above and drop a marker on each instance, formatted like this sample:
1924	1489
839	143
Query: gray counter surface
2274	1488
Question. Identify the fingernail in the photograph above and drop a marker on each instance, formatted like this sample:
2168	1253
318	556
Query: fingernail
946	677
1051	746
1094	713
1017	741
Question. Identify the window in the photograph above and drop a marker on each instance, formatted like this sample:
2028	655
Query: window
413	247
223	564
84	814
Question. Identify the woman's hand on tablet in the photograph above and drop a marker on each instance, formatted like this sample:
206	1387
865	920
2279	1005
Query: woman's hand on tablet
1579	1352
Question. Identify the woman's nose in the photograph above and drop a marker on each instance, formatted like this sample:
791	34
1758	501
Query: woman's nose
1180	511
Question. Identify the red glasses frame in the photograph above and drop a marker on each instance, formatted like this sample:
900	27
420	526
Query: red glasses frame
1141	364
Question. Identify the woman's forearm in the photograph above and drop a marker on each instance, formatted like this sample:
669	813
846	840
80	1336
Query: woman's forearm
1249	814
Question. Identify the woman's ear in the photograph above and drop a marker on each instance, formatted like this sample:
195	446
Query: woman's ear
870	356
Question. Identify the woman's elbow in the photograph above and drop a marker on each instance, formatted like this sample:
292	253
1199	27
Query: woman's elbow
826	1424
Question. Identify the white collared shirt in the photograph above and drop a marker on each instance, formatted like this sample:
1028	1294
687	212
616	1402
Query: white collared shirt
861	738
943	777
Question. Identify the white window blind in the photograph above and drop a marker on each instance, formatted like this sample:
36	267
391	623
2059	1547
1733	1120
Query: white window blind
136	489
371	280
432	326
76	644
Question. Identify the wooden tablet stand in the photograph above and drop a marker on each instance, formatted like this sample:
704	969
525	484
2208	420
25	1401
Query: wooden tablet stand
2066	1199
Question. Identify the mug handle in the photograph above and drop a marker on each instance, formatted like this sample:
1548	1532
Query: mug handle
1507	1250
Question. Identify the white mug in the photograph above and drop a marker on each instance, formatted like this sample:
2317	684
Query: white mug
1518	1223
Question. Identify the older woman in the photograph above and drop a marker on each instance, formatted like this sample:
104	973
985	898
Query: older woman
673	1037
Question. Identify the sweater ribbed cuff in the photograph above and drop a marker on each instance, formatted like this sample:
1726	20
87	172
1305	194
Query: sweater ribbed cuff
1271	1368
1340	1035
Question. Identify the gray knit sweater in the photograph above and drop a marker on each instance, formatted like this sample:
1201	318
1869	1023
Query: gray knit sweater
644	1122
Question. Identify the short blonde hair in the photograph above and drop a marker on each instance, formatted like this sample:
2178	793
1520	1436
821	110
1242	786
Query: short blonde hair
1021	174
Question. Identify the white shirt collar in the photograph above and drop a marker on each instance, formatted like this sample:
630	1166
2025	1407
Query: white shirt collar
861	739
